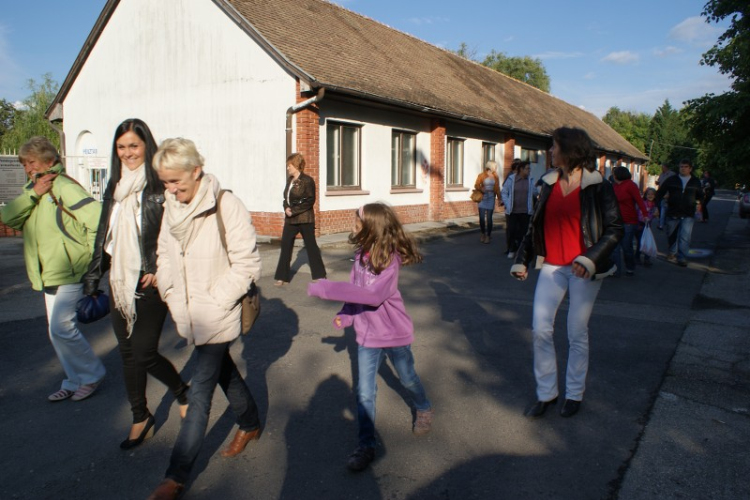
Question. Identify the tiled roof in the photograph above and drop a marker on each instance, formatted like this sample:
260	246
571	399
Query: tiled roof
344	51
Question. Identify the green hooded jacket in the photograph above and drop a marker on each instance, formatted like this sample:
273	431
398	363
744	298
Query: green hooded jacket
57	247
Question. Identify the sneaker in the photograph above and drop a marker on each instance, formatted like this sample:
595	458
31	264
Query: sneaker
360	458
671	258
629	273
511	255
423	423
84	391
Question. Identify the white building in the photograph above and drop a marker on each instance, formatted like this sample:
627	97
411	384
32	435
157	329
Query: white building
393	119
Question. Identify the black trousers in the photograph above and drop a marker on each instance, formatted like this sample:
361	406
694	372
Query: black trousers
704	206
140	355
289	233
517	225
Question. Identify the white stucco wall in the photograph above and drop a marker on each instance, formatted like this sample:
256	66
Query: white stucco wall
187	70
376	130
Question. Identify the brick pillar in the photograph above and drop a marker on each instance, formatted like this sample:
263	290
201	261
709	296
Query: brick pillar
437	168
509	150
308	143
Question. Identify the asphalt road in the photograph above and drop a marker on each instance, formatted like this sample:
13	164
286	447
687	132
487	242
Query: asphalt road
473	353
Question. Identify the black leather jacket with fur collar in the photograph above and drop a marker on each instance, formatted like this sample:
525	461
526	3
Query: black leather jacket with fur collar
601	224
152	209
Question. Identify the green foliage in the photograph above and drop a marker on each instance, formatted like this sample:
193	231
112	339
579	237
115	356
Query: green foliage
7	114
525	69
721	122
669	132
30	121
632	126
466	52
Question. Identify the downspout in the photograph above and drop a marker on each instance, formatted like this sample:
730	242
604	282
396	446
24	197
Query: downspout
294	109
56	117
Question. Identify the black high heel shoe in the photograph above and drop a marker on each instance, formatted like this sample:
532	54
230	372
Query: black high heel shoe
146	433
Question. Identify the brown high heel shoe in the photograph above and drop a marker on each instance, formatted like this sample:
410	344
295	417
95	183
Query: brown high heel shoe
239	442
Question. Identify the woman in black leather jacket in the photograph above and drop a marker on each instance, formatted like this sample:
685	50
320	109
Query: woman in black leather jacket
299	217
574	229
126	246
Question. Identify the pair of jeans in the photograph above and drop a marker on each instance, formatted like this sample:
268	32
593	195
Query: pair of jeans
663	213
78	360
369	360
485	226
553	283
140	354
288	234
214	365
679	232
625	248
517	226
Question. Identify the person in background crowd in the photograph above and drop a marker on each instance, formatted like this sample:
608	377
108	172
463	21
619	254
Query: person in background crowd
518	196
666	173
373	304
58	219
513	170
489	184
709	189
628	198
684	192
203	282
574	229
299	217
652	213
126	247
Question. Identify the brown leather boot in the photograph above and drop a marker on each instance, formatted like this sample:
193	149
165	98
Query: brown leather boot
239	442
169	489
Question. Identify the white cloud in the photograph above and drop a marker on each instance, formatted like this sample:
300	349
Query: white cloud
557	55
695	31
589	76
667	51
419	21
509	38
622	57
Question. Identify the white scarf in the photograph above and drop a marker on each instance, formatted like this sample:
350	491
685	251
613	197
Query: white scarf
179	216
126	250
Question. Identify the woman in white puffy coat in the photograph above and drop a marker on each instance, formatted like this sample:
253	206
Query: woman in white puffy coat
202	283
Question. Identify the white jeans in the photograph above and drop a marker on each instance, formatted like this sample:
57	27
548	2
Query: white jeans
553	282
80	363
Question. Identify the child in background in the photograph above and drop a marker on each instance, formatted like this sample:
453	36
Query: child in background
649	198
373	304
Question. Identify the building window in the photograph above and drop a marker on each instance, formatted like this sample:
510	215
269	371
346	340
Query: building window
530	155
343	162
455	162
488	153
403	159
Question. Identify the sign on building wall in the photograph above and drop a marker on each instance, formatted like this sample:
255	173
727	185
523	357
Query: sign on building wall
12	178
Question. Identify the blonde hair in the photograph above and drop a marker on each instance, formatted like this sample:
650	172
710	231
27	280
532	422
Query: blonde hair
491	165
382	235
177	154
297	161
39	148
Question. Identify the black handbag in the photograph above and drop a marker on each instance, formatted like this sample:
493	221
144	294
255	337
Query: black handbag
92	307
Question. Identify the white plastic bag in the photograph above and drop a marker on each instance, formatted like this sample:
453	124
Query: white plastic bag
648	243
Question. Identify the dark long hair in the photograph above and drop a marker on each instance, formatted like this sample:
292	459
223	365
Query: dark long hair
140	129
576	147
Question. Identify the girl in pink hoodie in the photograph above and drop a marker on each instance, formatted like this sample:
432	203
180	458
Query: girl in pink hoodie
373	304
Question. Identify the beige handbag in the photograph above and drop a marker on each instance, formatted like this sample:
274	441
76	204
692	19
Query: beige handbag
251	300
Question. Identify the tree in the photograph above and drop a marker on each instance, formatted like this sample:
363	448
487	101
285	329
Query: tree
721	122
669	132
466	52
29	120
632	126
7	114
525	69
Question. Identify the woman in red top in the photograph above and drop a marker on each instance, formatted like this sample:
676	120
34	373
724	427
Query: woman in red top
628	196
572	232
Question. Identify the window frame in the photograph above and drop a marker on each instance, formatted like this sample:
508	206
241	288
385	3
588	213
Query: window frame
399	169
449	167
530	155
339	125
488	146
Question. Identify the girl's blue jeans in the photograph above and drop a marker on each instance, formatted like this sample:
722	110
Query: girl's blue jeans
369	360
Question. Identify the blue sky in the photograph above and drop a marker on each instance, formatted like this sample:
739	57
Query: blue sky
598	53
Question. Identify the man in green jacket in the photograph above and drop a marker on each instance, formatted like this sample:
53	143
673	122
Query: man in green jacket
59	220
